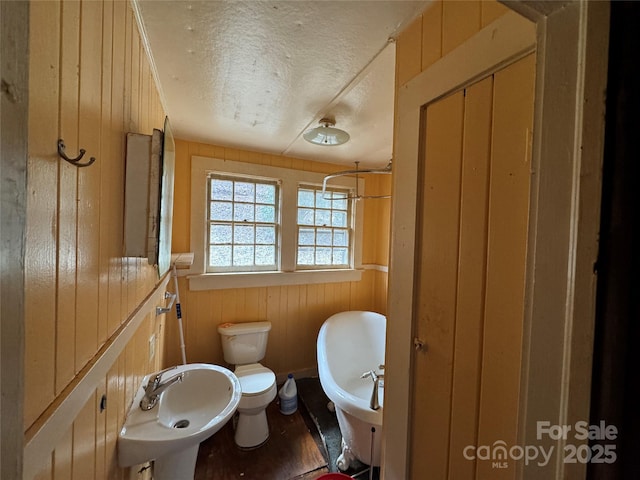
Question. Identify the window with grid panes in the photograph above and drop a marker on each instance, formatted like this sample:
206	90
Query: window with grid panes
324	228
243	224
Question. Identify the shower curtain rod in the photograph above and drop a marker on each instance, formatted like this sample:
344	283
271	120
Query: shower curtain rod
356	172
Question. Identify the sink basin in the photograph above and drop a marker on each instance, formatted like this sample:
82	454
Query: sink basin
186	413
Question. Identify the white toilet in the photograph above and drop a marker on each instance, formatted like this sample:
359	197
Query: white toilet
244	345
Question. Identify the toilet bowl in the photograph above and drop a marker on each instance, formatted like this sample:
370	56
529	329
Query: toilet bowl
258	385
244	345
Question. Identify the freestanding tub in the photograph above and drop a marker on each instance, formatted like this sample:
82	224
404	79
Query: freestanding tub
349	345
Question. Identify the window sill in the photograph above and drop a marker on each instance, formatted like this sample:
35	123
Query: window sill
218	281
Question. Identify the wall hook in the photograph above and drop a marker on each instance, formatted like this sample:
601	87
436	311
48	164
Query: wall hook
73	161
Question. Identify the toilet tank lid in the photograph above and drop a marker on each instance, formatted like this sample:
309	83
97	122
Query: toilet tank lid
244	327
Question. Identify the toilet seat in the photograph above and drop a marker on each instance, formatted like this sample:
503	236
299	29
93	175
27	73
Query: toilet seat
255	379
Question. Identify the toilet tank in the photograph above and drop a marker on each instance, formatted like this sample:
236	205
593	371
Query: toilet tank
244	343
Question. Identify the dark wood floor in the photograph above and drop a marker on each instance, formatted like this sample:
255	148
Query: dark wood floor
293	451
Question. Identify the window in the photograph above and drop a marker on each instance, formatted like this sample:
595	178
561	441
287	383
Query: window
324	228
260	225
243	224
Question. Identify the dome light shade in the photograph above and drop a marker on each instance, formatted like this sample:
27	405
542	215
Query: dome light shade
326	134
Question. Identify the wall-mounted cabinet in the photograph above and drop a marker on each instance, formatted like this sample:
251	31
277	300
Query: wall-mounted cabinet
149	180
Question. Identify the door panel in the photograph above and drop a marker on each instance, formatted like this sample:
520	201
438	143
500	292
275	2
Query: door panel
470	271
436	303
506	256
471	275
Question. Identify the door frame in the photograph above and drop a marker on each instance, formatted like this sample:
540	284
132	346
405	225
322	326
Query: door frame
14	32
571	44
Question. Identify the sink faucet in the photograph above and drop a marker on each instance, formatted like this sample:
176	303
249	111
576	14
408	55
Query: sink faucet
374	403
155	387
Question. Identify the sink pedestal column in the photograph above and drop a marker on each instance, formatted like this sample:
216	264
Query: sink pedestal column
176	466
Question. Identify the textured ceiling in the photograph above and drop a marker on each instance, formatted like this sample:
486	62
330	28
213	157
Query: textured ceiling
258	74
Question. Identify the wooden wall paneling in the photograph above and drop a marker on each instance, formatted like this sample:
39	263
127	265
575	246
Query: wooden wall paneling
315	321
471	275
283	320
45	471
358	291
431	34
312	305
181	231
262	303
63	457
101	432
369	229
408	52
84	437
140	280
40	259
128	63
294	339
129	370
160	341
117	272
190	329
88	247
107	190
490	10
506	257
135	113
112	419
170	346
322	302
229	154
296	163
384	221
122	401
128	281
117	309
363	298
460	20
331	295
143	365
146	122
275	346
382	286
132	99
299	323
310	330
205	150
216	318
202	331
67	193
249	301
78	97
436	284
345	292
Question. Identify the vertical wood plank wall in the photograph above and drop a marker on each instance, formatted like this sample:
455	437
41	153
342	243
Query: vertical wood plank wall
437	279
297	311
471	273
90	84
474	342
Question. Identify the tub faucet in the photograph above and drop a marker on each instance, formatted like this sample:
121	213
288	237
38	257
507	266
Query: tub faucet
155	387
374	404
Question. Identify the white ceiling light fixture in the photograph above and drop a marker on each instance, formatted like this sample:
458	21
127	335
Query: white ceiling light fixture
326	134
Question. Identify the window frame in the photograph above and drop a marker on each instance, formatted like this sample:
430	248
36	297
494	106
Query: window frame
349	228
200	279
277	221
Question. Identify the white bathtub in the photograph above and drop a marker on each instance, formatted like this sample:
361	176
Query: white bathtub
350	344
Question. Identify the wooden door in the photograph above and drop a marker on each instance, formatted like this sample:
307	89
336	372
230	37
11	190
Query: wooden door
470	274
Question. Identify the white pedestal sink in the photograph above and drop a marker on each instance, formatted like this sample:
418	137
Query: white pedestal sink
186	413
